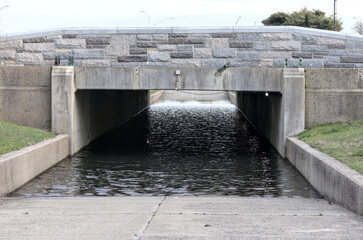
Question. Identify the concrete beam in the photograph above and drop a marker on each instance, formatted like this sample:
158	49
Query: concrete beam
165	78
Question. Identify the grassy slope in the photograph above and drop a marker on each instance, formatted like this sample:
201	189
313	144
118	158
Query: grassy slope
342	141
14	137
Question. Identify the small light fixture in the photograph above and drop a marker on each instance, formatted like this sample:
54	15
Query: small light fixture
266	94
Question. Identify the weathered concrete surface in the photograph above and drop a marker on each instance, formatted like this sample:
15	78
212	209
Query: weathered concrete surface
165	78
86	114
176	218
334	180
277	116
333	95
19	167
188	96
25	96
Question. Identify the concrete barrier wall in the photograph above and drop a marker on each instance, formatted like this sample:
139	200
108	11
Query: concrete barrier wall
25	96
332	179
333	95
19	167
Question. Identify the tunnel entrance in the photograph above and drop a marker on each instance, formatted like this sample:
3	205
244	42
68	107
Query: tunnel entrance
180	146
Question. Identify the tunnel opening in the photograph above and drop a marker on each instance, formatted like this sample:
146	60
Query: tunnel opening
186	144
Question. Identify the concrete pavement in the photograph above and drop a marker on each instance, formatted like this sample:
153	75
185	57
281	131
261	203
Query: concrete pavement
176	218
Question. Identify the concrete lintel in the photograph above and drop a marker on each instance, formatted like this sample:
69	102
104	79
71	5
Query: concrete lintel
165	78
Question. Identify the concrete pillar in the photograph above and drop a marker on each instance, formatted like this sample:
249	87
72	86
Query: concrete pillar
63	100
293	105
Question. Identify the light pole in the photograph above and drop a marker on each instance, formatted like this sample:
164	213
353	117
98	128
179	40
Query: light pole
4	7
147	15
335	12
166	19
239	17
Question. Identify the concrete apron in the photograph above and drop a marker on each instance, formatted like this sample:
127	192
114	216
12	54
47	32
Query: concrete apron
285	119
176	218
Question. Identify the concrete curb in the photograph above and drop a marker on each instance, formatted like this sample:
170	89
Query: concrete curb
154	97
19	167
334	180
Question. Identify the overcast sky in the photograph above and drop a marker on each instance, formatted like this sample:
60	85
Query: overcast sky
37	15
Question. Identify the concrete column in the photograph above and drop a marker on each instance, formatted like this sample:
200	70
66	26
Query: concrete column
63	100
293	105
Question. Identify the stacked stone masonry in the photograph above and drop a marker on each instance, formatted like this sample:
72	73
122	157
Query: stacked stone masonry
242	48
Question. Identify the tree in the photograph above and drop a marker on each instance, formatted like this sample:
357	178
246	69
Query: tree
304	18
358	27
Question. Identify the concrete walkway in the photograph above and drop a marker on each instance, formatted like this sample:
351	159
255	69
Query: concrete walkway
175	218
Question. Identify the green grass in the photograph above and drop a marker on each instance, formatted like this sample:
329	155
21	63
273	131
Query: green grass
342	141
153	91
14	137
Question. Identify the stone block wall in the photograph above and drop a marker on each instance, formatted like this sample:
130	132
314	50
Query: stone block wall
206	47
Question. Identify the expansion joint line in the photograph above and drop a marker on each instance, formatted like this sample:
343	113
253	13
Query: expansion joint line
143	229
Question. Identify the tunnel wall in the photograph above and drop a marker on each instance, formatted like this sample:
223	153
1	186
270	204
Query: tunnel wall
25	96
97	111
278	115
263	112
86	114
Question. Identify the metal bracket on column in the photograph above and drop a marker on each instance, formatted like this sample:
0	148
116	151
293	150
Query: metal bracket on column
218	73
300	63
57	61
287	63
71	61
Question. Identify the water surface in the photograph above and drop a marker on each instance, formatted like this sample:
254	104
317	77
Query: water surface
175	149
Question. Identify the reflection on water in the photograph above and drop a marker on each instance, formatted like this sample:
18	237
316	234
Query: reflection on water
177	149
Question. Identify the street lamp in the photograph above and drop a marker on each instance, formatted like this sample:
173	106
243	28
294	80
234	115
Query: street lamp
166	19
147	15
4	7
335	12
236	22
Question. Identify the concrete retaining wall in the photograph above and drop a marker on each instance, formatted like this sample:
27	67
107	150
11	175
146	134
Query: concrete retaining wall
332	179
155	97
211	47
333	95
19	167
25	96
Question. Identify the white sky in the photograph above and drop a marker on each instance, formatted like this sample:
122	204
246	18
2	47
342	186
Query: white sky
37	15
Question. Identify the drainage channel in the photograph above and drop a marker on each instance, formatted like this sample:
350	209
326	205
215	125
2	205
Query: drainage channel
177	149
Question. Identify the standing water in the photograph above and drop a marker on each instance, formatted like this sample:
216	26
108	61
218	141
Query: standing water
175	149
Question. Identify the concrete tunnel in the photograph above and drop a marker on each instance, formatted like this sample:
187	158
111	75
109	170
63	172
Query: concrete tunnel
89	101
